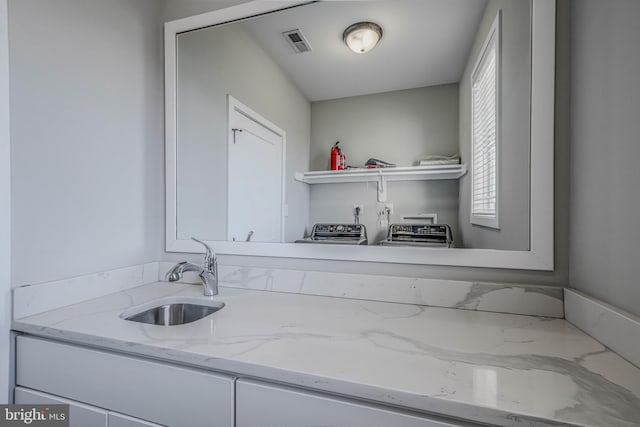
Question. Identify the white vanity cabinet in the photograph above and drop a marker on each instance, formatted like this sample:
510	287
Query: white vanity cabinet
119	420
80	415
265	405
101	387
161	393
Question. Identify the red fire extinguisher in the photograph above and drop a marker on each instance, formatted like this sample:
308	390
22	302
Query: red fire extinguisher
336	157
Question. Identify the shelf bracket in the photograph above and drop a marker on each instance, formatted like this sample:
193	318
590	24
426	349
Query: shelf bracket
382	189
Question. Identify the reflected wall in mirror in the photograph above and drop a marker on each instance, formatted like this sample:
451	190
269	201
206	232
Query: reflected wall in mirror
405	101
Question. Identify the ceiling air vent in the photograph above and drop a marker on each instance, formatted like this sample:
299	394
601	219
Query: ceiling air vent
297	41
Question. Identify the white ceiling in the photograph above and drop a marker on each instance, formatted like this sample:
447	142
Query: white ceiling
425	43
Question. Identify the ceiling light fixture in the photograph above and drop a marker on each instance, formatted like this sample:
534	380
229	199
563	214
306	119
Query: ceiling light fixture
361	37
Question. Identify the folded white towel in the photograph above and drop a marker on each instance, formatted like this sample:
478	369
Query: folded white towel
439	162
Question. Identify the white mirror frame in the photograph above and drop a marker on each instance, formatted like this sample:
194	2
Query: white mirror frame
539	257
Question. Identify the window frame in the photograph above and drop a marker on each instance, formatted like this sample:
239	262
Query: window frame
493	38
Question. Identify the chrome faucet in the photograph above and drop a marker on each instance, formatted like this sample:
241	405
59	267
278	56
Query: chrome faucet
208	274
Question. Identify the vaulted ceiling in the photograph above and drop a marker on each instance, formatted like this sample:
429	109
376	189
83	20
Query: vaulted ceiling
425	42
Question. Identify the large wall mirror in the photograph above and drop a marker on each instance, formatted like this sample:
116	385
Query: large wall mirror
445	131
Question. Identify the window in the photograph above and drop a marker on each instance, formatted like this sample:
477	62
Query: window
485	131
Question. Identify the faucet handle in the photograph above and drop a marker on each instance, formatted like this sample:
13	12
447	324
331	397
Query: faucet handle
209	256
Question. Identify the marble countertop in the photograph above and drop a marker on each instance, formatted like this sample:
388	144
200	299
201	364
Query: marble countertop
499	369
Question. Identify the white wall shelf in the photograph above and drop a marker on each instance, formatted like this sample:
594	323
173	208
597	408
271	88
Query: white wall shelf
383	175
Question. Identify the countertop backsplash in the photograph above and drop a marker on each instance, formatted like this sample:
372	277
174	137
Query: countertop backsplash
533	300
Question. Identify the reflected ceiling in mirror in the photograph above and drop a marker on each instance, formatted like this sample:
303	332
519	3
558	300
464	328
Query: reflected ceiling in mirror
425	43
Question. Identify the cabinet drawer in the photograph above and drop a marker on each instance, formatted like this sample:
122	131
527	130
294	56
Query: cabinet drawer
265	405
154	391
119	420
79	415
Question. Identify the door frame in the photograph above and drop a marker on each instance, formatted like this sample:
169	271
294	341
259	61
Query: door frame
234	105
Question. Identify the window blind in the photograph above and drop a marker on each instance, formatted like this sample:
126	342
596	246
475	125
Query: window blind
484	133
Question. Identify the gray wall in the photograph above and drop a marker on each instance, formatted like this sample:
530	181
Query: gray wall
605	150
86	136
334	203
212	63
70	246
559	277
400	127
5	208
513	148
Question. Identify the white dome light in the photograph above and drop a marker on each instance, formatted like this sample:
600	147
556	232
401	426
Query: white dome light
362	36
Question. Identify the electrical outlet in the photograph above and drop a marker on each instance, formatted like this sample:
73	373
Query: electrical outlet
356	207
381	208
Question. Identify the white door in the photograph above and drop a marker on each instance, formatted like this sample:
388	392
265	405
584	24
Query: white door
255	205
